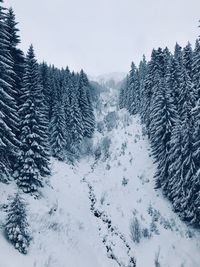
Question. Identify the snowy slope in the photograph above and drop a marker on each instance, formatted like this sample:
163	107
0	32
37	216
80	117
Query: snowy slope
83	217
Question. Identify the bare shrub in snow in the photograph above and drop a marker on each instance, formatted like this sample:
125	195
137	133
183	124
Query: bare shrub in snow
105	147
100	126
123	148
156	215
156	260
97	153
189	233
108	167
125	181
55	226
103	198
135	230
150	210
16	228
146	233
86	147
110	120
153	227
126	120
165	223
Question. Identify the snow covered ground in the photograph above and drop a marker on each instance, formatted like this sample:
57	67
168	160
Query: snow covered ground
83	217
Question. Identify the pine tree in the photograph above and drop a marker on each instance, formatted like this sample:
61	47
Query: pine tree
196	68
175	162
17	228
141	75
85	105
188	168
57	132
196	134
8	107
76	122
123	94
178	55
174	80
45	77
186	93
163	117
188	59
33	162
153	74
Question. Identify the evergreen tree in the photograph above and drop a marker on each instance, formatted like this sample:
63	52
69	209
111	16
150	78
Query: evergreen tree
57	132
153	73
141	76
178	54
186	93
163	117
16	227
132	90
196	68
175	162
188	168
188	59
165	92
85	105
196	134
46	88
76	122
8	106
33	162
174	80
123	94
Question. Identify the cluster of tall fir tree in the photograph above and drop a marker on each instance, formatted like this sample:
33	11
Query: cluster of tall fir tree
165	92
43	111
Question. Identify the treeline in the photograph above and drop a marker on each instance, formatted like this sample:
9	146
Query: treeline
44	111
165	92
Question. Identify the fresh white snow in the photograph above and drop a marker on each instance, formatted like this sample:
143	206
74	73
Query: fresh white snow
65	230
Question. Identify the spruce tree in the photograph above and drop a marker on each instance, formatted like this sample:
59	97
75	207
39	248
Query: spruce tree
163	117
76	119
188	59
17	228
57	131
85	105
175	162
141	76
8	106
33	162
188	168
45	77
196	68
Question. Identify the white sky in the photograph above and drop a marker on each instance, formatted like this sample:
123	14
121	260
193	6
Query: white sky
103	36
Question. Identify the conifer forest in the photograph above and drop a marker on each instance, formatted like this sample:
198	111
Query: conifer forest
102	170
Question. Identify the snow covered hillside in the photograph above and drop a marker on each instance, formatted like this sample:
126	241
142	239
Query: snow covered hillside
104	212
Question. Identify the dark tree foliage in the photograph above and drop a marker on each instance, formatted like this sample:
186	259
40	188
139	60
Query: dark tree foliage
168	101
8	106
42	109
16	228
57	132
33	162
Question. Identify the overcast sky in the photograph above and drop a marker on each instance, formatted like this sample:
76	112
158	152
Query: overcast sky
103	36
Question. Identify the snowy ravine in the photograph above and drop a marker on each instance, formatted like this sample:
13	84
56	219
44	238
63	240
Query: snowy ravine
83	217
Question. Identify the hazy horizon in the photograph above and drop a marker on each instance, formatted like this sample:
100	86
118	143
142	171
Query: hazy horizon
103	36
